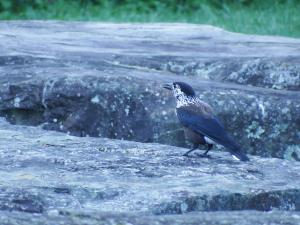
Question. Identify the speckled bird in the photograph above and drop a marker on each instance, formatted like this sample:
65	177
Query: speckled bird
201	125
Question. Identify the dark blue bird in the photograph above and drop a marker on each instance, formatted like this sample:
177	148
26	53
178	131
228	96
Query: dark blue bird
201	126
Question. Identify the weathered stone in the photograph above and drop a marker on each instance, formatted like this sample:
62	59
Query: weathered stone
92	217
136	107
105	80
42	171
276	73
185	49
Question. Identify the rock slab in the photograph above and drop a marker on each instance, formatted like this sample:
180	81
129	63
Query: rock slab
46	172
203	218
105	80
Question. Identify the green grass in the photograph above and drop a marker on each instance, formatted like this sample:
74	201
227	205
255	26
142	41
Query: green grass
246	16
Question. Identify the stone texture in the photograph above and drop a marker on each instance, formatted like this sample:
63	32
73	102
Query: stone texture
52	174
92	217
184	49
105	80
275	73
127	104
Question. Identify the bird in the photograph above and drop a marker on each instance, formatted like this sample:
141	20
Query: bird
200	124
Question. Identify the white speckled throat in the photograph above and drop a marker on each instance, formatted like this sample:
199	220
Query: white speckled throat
181	98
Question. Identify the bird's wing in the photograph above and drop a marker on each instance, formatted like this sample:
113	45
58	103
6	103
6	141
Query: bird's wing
208	126
211	127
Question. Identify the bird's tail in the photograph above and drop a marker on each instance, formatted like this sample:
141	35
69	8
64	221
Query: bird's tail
235	149
236	153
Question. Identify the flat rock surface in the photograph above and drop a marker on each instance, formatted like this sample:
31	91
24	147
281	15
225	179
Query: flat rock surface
102	82
186	49
92	217
44	171
105	80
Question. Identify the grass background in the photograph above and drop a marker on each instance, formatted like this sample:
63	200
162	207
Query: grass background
270	17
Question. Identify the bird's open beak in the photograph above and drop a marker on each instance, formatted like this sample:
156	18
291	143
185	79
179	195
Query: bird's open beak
168	86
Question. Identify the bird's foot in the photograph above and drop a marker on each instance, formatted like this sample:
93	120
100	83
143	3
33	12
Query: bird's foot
203	155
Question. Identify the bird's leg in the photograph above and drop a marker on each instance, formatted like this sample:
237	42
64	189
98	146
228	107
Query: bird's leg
209	147
205	155
195	146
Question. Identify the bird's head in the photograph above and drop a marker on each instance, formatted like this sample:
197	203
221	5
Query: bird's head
181	89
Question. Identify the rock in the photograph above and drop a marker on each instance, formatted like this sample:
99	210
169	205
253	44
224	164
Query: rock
46	171
105	80
204	51
92	217
276	73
